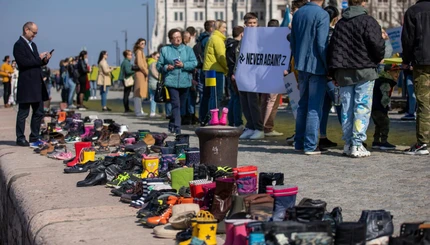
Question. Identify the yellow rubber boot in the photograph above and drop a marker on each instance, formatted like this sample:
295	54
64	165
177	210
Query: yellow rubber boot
150	167
207	231
88	156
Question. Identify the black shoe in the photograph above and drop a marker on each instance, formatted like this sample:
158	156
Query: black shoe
106	109
326	143
93	179
23	142
125	188
78	168
81	168
128	111
387	146
376	145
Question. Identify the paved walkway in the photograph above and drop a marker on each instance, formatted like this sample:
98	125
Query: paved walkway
41	205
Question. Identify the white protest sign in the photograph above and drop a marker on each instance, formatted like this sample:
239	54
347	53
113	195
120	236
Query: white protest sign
292	92
395	35
264	55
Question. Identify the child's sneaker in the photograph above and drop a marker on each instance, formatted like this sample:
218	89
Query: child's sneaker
417	150
386	146
359	151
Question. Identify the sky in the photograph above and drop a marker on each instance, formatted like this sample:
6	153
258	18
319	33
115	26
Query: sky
69	26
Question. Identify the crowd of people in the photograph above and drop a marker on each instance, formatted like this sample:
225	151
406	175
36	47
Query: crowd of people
338	59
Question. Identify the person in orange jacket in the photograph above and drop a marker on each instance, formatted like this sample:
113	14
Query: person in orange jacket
6	72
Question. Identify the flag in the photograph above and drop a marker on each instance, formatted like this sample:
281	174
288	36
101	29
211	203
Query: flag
286	21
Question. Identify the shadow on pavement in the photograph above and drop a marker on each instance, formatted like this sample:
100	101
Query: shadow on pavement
7	142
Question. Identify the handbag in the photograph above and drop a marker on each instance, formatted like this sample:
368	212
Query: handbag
307	210
135	68
259	206
379	223
161	93
269	179
128	82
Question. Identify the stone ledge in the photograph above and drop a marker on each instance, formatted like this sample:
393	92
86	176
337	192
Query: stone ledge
41	205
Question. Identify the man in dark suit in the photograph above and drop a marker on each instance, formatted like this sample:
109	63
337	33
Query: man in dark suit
31	91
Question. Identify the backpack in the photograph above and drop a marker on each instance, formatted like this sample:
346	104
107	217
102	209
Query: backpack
199	52
76	73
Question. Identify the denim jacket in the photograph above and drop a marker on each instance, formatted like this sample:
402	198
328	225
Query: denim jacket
309	39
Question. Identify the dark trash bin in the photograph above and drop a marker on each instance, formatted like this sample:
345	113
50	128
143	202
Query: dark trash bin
219	145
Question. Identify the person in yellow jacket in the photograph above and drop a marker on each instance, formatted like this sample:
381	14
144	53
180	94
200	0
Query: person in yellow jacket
215	59
93	82
6	72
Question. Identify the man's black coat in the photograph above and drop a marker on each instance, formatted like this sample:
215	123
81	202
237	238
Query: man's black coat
31	88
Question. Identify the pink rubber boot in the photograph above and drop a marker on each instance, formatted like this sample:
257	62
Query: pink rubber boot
229	232
214	120
87	131
240	234
223	120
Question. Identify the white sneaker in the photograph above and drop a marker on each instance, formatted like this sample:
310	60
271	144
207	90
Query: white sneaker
247	133
72	107
257	135
241	127
359	151
347	150
333	109
154	115
273	134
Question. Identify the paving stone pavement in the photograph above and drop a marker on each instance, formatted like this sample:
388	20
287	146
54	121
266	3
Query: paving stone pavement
47	207
386	180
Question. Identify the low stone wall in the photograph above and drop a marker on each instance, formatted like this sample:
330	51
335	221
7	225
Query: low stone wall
39	204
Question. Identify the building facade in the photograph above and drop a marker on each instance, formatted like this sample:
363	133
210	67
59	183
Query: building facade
389	13
181	14
184	13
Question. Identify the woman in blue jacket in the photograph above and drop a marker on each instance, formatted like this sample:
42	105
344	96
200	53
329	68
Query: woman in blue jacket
176	63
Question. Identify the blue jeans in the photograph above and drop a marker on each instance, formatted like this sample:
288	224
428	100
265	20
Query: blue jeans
154	104
328	99
93	88
234	109
49	87
412	99
210	100
72	87
178	96
168	108
191	101
312	90
356	108
103	95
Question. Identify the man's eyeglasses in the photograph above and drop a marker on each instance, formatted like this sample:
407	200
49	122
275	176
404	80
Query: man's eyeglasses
34	32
